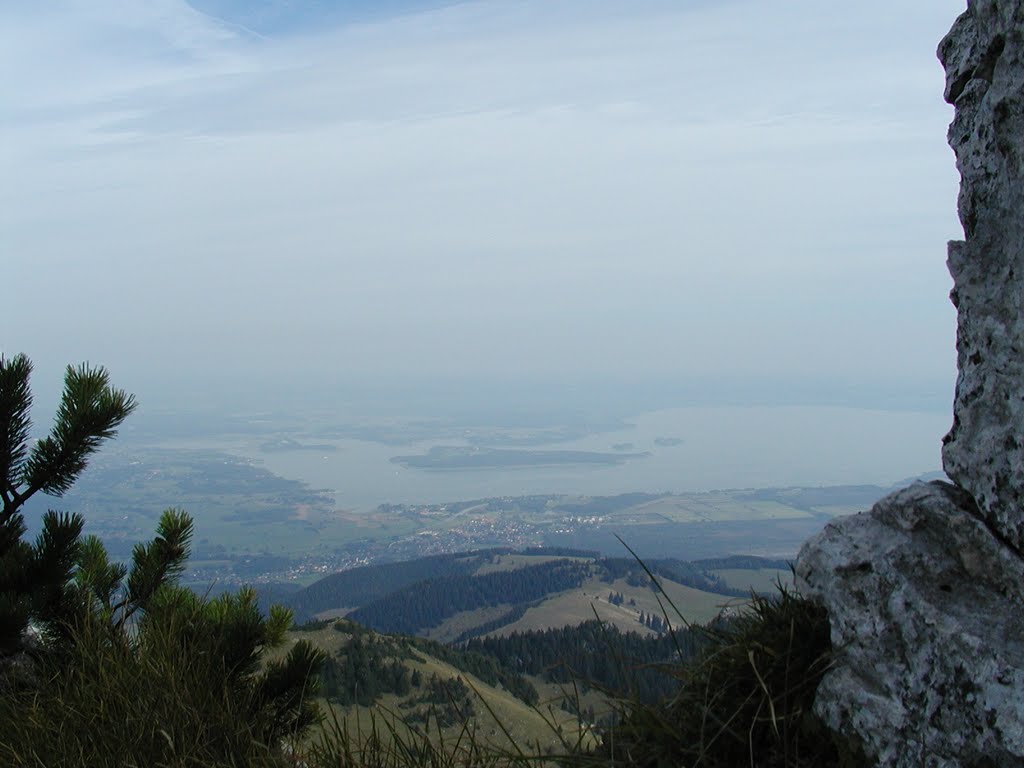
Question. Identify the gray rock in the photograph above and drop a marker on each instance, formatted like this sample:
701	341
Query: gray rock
984	451
927	623
925	593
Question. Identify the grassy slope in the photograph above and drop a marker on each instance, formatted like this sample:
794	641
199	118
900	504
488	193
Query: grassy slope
453	626
497	711
578	605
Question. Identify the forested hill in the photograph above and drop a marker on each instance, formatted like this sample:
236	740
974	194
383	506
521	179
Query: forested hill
430	602
459	596
360	586
362	665
592	654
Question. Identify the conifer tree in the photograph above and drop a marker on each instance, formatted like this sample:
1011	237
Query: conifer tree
35	577
181	652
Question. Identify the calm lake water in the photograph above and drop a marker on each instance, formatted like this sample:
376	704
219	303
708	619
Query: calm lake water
725	447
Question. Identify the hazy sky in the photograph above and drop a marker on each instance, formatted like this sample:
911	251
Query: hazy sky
736	190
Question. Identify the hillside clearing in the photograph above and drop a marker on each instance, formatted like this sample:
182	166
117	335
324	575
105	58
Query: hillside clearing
576	606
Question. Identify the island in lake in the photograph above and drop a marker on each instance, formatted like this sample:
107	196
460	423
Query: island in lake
668	442
461	457
287	444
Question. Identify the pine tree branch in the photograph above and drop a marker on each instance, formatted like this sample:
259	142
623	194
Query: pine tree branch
90	412
11	506
156	563
15	412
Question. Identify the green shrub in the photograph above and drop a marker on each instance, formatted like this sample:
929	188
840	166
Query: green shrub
183	685
746	701
34	577
105	664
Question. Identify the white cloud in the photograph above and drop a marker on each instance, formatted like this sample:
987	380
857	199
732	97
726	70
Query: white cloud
511	186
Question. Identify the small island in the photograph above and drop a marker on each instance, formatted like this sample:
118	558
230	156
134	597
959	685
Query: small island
441	457
286	444
668	442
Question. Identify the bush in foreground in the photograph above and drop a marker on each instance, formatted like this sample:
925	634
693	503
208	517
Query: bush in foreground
105	664
182	684
747	700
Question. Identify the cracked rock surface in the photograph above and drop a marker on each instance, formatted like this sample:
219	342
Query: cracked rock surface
984	451
928	622
925	593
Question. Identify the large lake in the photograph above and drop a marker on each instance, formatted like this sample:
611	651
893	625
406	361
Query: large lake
727	447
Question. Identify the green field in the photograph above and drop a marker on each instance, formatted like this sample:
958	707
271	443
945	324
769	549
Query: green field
707	507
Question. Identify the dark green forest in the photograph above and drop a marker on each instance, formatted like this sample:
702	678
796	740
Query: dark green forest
366	584
369	665
594	655
428	603
419	594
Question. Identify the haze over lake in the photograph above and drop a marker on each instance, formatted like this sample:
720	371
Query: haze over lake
721	447
717	229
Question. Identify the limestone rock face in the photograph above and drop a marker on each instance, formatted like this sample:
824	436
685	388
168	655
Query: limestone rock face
928	627
984	452
925	593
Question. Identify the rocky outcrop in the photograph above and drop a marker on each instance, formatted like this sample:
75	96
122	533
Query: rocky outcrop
925	593
984	452
928	625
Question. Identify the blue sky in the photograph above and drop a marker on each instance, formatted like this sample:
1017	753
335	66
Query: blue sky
738	191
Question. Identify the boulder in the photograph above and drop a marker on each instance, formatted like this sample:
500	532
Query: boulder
927	620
